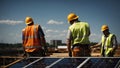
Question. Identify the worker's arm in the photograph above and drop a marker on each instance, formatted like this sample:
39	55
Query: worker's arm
24	52
89	30
68	42
97	45
42	37
43	42
115	45
41	34
69	47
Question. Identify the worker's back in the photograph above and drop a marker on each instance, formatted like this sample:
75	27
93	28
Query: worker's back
31	39
80	33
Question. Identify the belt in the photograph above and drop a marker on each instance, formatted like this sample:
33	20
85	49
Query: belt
80	46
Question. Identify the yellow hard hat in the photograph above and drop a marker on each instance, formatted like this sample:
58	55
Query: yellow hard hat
72	16
104	27
28	20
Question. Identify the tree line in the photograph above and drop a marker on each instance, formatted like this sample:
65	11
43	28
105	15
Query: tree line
19	45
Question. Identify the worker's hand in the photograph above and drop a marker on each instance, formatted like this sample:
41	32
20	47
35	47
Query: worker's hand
24	55
70	54
112	51
92	47
46	49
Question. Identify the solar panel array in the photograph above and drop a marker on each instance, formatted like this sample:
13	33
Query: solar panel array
81	62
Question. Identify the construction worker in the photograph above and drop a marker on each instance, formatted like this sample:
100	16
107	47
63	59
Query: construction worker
78	37
108	42
33	39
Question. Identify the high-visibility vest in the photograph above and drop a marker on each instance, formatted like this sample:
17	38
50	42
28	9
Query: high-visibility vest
31	38
107	44
80	33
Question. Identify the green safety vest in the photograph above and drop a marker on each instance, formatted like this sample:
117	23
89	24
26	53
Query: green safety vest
80	33
107	44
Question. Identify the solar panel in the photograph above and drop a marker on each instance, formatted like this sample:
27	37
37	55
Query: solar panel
69	63
102	63
78	62
23	62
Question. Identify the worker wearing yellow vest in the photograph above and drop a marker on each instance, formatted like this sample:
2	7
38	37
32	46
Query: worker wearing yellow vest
78	37
33	39
108	42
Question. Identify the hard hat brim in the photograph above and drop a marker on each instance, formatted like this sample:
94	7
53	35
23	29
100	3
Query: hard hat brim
29	22
73	19
104	27
103	30
76	17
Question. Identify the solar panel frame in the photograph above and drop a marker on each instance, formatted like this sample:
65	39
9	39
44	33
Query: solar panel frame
32	62
83	63
100	61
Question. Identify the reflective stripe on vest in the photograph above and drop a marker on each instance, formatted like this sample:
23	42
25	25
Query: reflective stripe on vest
31	40
32	47
80	33
30	37
107	44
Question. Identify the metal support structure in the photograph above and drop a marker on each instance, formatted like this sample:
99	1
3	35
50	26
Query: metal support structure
118	64
54	63
32	62
100	61
83	63
6	66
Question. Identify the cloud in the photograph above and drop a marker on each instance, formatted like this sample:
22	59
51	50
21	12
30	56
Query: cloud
64	31
44	28
48	31
54	22
51	34
95	37
10	22
51	31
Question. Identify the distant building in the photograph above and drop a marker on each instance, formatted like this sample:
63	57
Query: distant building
55	42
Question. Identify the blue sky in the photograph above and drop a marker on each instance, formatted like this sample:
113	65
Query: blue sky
52	16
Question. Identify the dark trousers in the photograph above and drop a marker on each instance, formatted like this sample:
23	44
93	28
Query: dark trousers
111	54
40	53
81	50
